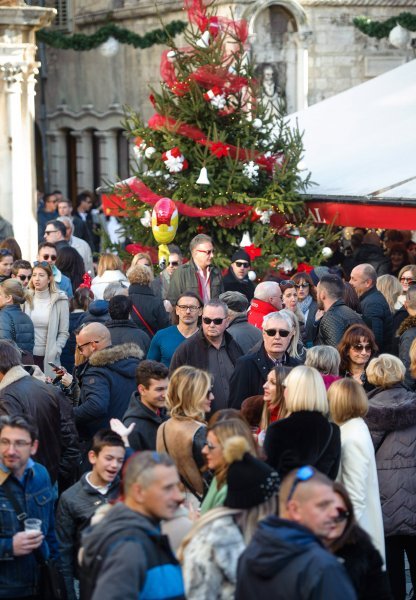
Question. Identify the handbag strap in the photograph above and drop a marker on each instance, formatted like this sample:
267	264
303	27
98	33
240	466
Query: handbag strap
149	329
20	514
322	452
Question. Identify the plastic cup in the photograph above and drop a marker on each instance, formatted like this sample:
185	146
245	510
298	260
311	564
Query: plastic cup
33	524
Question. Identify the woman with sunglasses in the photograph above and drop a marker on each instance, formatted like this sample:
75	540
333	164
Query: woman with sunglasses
6	264
348	405
406	277
307	304
353	546
391	419
14	324
356	348
49	310
305	436
213	451
183	436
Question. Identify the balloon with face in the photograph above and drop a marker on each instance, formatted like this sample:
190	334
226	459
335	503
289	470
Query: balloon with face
164	221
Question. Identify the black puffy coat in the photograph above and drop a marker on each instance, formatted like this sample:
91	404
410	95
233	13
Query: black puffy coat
21	394
286	561
17	326
150	307
377	316
302	439
250	375
391	419
335	322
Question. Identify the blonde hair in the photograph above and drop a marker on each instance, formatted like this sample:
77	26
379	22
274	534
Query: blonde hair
188	388
411	268
109	262
391	289
145	255
53	289
347	400
223	431
139	274
13	288
325	359
305	390
386	370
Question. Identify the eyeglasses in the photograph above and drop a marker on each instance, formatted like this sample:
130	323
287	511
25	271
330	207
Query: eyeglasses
81	346
24	277
208	321
19	444
5	252
185	307
302	474
41	263
407	280
174	263
361	347
49	256
209	252
301	285
272	332
342	516
240	264
51	231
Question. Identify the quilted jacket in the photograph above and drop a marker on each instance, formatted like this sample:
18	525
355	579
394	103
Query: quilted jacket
335	322
391	420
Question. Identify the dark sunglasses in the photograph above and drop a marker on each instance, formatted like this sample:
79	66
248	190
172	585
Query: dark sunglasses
272	332
342	516
208	321
51	231
24	277
360	347
302	474
407	280
174	263
49	256
287	282
240	263
41	263
301	285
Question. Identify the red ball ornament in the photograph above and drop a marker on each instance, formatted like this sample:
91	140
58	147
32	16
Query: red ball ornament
200	229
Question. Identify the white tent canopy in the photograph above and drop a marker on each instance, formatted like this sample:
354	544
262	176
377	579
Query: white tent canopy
362	142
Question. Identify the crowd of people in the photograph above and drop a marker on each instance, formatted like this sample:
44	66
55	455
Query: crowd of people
196	434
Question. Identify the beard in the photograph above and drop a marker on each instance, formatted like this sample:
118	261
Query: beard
320	303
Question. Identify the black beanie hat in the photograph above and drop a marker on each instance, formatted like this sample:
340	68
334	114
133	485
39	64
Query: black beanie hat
250	481
240	254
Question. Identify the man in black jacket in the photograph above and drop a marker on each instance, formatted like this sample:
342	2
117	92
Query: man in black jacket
78	503
21	394
251	370
286	559
147	405
124	330
213	349
375	310
337	315
236	279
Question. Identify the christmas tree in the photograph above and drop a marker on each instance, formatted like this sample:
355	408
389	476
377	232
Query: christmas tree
228	161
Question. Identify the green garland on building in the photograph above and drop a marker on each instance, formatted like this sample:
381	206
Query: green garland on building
381	29
82	42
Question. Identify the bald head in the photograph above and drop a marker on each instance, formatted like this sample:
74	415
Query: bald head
93	337
363	278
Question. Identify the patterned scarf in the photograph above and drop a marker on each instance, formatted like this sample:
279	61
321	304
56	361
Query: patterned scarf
305	304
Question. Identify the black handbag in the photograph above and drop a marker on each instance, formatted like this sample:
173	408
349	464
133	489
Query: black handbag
51	580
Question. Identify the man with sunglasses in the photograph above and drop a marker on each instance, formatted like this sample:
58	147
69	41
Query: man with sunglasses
212	349
286	558
160	285
198	275
374	308
251	370
22	270
236	279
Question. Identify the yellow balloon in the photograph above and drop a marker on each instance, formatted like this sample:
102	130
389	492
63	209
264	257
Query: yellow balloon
164	221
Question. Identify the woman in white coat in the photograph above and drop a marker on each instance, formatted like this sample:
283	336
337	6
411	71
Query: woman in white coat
358	472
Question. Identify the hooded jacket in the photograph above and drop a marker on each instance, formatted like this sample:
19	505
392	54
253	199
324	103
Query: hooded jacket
286	561
143	436
133	558
107	385
125	331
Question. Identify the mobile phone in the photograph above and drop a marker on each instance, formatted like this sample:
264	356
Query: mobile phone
51	364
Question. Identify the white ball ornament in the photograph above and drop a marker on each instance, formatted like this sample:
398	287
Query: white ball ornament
327	252
301	242
252	275
149	152
257	123
109	48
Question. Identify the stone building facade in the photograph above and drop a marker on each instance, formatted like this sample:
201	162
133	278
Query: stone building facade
306	50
